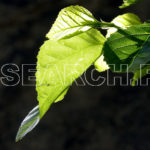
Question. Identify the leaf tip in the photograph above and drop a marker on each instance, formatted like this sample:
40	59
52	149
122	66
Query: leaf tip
28	124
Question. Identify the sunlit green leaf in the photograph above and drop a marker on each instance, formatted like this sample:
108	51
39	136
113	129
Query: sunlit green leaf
61	62
127	3
100	64
71	21
124	21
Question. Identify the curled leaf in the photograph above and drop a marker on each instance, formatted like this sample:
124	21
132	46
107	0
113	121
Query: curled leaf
29	123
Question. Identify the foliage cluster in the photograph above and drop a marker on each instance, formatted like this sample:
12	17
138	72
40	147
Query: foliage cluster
75	41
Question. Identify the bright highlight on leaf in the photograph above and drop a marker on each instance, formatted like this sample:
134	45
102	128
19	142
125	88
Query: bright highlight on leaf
72	21
127	3
124	21
100	64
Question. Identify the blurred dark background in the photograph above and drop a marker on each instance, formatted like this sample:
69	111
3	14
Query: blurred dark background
89	118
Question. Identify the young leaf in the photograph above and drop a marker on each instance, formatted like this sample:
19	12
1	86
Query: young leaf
126	46
127	3
30	121
124	21
72	21
61	62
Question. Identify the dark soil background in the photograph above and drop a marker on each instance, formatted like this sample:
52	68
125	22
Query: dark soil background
89	118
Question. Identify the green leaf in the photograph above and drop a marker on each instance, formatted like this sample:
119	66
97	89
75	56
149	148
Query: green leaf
128	47
71	21
143	56
124	21
61	62
62	95
100	64
30	121
127	3
140	73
